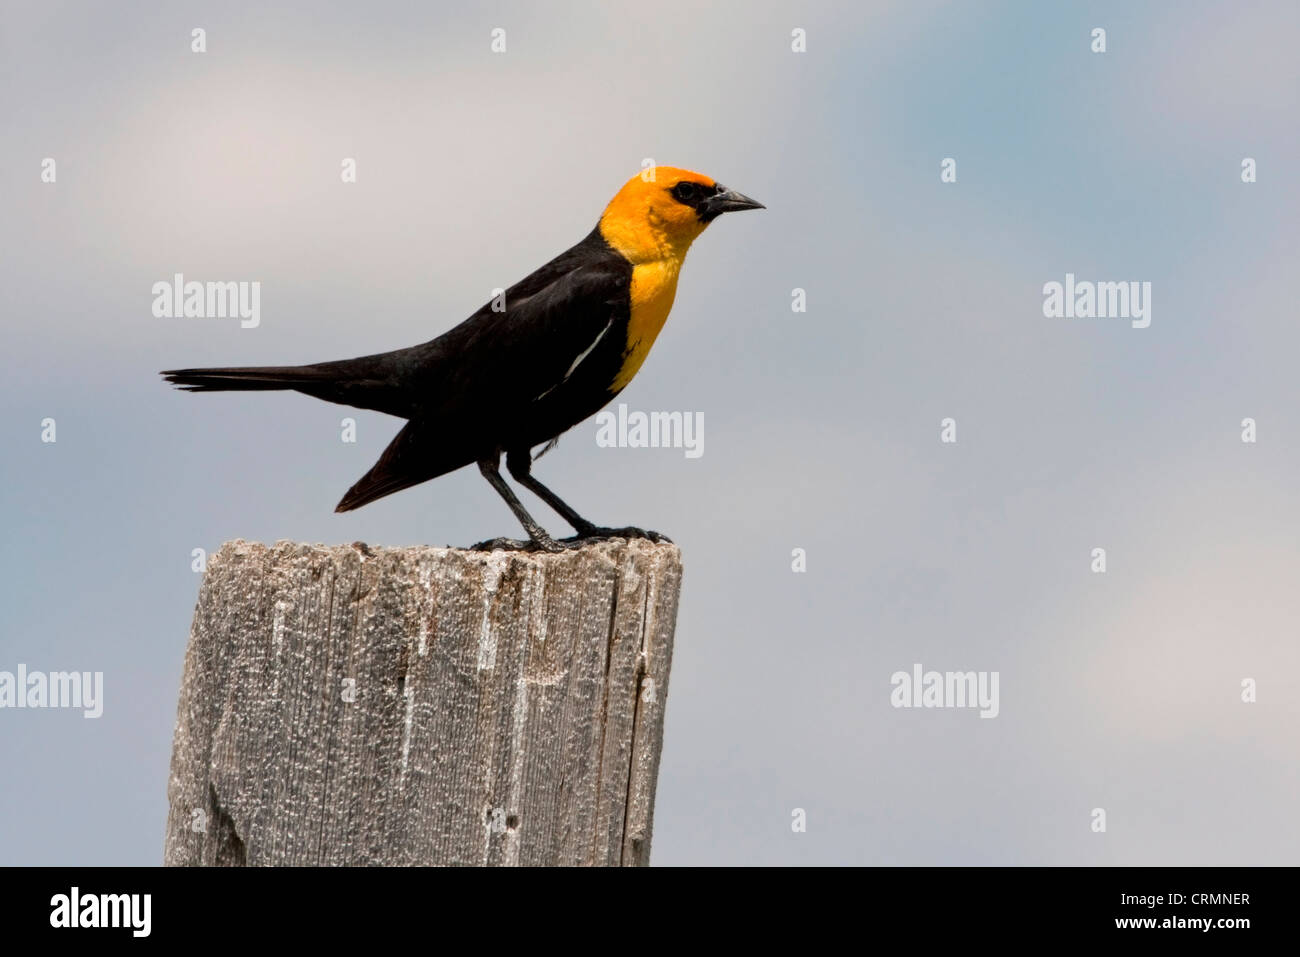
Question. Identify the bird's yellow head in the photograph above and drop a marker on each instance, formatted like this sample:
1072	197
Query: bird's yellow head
659	212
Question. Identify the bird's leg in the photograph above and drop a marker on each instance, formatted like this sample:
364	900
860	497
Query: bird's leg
520	464
491	472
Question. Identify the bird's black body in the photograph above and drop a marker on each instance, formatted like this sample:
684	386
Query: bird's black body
495	383
518	372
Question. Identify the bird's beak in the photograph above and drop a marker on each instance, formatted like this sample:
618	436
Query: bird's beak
727	201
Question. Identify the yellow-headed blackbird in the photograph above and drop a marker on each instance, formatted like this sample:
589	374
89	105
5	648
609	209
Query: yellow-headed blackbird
515	375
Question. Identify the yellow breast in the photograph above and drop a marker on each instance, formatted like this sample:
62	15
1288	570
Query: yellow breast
654	284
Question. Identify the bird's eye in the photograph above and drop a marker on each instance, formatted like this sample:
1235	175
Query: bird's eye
686	192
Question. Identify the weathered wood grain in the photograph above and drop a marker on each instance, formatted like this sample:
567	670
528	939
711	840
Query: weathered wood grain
346	705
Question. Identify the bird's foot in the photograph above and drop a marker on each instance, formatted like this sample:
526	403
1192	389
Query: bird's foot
598	532
540	544
544	543
502	545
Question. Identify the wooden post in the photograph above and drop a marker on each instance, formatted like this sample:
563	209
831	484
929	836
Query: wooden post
349	705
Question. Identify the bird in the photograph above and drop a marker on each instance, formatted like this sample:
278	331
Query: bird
530	364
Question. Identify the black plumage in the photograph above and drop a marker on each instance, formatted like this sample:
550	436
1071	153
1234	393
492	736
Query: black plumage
495	383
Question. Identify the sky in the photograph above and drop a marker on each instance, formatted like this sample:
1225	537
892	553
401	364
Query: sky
1119	690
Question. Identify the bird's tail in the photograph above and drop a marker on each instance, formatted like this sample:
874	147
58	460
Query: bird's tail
377	382
245	378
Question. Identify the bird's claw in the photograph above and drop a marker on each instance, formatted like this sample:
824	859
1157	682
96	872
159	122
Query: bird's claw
588	535
630	531
503	545
524	545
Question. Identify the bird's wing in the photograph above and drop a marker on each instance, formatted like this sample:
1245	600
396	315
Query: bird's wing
469	386
496	361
